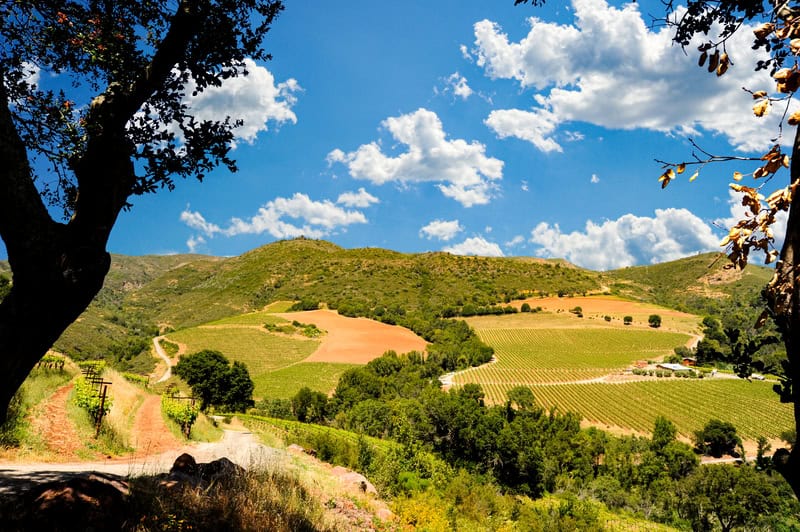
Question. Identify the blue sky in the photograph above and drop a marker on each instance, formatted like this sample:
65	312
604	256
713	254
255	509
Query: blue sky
467	126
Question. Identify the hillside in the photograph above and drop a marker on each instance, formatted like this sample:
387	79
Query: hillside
142	294
316	270
688	283
109	321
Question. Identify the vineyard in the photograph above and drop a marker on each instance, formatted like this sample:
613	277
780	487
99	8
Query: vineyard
559	356
260	351
285	382
751	406
530	356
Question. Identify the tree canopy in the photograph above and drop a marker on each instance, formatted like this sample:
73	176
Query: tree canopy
215	381
72	159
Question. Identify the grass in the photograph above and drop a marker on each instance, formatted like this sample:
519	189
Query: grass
252	318
285	382
263	498
260	351
110	442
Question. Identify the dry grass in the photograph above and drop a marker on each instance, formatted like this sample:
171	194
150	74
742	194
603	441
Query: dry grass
263	498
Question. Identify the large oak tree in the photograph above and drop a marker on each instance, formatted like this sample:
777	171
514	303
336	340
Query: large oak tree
71	160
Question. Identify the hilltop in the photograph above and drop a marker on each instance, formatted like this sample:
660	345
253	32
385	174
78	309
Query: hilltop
144	294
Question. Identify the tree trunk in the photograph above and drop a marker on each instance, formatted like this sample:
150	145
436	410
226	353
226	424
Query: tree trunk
783	297
43	302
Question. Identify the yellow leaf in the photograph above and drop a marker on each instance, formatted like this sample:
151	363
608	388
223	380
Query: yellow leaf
680	168
694	176
759	94
786	161
761	107
737	176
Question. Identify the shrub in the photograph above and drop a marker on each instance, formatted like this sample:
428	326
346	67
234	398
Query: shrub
627	320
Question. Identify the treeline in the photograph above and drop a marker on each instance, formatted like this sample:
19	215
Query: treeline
523	449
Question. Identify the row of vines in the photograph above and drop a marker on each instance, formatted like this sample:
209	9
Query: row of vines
750	406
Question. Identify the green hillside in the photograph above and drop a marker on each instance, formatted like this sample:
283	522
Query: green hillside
109	321
202	291
142	294
688	283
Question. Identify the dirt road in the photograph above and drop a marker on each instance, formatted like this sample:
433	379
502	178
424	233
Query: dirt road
238	446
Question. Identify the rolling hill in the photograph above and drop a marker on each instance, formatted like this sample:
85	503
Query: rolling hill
179	291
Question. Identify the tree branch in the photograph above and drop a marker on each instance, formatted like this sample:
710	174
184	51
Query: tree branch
23	215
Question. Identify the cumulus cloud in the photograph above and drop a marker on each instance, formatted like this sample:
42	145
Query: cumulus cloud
609	68
255	99
475	246
461	169
441	229
594	179
629	240
361	199
309	218
457	84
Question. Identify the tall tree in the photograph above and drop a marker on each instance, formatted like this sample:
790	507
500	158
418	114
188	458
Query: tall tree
133	63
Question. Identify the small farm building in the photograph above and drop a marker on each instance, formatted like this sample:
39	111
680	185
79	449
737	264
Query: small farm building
689	361
674	367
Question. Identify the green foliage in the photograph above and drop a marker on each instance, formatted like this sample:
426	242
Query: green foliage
309	406
215	382
717	438
87	397
304	304
135	378
170	348
732	497
627	320
654	320
182	411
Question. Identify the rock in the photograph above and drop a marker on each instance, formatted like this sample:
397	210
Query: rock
187	470
90	502
185	465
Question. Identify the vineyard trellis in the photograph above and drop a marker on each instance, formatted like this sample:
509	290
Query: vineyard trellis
95	399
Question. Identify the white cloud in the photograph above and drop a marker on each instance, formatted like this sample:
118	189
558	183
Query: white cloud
316	219
441	229
458	85
534	126
361	199
32	72
475	246
255	98
461	169
524	186
629	240
516	241
609	68
196	221
195	241
465	52
594	179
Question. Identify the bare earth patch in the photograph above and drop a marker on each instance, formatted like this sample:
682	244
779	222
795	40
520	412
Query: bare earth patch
55	427
150	432
355	340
